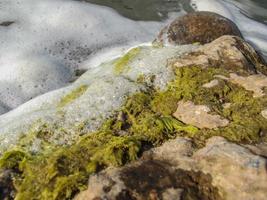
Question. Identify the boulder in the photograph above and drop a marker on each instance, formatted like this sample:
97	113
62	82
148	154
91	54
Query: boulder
199	27
177	170
229	52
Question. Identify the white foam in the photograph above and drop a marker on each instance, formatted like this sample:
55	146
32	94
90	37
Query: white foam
253	31
49	39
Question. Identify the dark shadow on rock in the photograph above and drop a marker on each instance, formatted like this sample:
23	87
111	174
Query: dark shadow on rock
6	185
151	178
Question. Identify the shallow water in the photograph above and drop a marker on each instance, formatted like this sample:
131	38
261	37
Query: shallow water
159	9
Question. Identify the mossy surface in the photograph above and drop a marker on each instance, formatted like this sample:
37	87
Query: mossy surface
247	125
76	93
146	118
122	64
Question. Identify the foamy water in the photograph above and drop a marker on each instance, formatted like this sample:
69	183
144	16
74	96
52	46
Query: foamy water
45	42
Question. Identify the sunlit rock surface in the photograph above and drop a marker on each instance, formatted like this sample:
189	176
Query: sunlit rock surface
198	115
220	170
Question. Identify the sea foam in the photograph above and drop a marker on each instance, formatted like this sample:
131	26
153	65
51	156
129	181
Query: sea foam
49	40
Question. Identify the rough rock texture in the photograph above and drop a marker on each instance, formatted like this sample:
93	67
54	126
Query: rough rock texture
228	52
176	170
201	27
198	115
255	83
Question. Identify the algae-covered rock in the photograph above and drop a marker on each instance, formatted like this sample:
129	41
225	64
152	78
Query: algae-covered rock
114	113
84	105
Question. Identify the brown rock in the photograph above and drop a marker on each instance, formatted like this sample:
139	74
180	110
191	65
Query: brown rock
177	170
201	27
229	52
198	115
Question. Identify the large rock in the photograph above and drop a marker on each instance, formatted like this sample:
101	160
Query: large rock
229	52
201	27
176	170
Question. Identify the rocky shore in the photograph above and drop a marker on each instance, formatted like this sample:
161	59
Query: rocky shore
182	118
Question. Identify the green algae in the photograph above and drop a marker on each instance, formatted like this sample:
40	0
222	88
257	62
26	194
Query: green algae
122	64
145	118
76	93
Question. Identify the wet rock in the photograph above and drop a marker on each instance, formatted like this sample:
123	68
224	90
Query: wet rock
198	115
229	52
177	170
199	27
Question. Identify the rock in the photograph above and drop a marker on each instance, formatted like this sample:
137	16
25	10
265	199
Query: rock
199	27
264	113
229	52
254	83
211	84
6	185
198	115
177	170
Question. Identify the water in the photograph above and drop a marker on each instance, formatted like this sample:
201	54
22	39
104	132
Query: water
159	9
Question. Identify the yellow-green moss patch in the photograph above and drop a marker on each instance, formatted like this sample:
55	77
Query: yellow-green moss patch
76	93
122	64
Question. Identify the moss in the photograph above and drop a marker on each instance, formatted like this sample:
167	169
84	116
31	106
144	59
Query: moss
12	159
145	118
246	122
76	93
121	64
61	173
